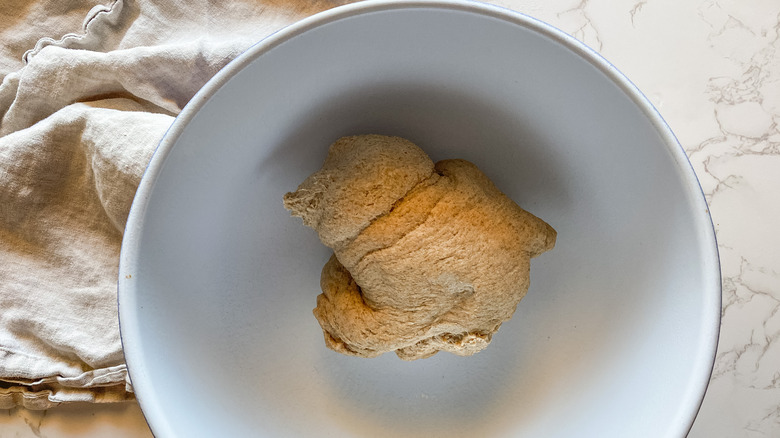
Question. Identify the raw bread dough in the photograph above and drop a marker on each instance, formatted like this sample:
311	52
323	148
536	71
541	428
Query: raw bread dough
426	257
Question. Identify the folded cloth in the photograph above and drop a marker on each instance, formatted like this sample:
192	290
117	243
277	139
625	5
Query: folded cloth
83	109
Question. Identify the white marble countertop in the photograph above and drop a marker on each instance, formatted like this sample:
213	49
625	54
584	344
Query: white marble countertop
712	68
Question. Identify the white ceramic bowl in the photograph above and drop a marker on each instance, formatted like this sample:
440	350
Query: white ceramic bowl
616	336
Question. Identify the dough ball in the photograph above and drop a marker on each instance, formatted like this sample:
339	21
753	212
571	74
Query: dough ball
426	258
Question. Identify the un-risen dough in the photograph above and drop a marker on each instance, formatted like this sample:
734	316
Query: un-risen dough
426	257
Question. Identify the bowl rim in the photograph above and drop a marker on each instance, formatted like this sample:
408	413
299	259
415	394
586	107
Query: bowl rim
129	254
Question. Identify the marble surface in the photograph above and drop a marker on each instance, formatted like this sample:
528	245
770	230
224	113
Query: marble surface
712	68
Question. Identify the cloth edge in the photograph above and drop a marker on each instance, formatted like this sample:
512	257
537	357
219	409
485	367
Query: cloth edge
92	16
54	395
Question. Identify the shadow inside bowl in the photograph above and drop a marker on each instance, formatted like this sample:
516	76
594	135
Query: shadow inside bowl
447	395
556	348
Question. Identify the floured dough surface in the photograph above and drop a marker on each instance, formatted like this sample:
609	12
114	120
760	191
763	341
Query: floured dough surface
427	257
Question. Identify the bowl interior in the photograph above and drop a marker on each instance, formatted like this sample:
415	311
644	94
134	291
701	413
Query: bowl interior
217	281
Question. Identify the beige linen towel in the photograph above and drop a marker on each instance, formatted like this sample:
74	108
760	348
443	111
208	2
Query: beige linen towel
88	89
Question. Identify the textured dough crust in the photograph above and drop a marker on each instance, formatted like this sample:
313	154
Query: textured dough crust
426	258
